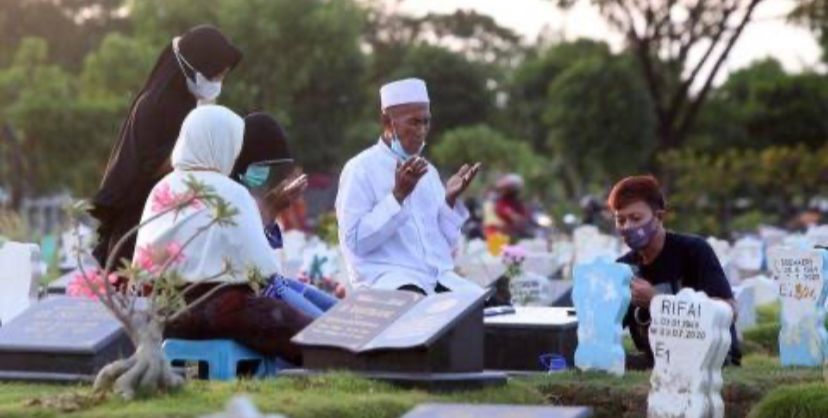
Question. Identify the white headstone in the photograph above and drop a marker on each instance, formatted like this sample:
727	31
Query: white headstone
765	290
591	244
541	263
530	289
746	302
534	245
689	336
818	235
771	235
721	248
481	268
801	277
748	254
19	278
73	241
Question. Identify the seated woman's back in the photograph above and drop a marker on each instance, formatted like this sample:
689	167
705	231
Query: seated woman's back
210	140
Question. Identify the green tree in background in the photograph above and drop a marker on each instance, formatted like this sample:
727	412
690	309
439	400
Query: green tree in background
661	37
600	123
714	191
761	106
117	69
71	28
528	86
814	14
499	154
59	132
302	63
457	87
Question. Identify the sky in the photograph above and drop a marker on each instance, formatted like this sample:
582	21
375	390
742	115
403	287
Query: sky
769	34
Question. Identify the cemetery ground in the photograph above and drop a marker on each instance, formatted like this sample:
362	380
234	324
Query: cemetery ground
761	388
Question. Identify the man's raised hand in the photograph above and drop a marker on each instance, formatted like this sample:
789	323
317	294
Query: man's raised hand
458	183
407	175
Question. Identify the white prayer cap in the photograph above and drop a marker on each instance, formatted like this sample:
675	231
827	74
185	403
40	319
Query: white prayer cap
410	90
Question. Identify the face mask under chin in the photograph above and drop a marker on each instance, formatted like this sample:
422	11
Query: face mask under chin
398	149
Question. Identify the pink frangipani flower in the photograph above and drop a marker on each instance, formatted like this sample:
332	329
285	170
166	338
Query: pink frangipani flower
81	286
164	198
154	258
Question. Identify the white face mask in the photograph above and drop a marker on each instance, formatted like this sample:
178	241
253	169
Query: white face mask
203	89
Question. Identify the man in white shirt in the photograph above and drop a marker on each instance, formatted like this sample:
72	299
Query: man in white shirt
398	224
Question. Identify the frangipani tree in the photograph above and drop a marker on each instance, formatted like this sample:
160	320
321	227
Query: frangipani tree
148	294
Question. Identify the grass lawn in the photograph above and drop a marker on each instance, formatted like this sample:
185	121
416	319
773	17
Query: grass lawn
343	395
760	388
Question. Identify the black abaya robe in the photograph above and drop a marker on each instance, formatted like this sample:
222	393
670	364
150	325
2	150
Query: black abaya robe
147	136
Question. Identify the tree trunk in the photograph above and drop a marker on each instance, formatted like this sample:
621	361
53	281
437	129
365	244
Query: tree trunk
146	371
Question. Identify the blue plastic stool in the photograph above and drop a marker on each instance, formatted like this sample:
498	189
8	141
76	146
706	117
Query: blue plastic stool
222	356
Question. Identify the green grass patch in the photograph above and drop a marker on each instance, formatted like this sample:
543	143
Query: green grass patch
767	313
335	395
801	401
344	395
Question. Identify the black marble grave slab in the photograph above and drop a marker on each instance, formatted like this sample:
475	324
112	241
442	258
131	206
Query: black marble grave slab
497	411
398	332
61	339
515	342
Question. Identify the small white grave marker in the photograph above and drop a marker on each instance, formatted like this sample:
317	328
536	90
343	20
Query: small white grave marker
19	278
690	337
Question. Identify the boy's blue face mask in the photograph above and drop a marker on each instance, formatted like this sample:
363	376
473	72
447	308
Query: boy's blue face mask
255	176
263	173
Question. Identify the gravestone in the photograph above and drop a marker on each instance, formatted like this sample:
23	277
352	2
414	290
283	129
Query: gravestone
19	278
446	410
73	241
748	254
724	317
745	295
403	335
530	289
690	338
721	248
818	235
481	268
591	244
765	289
800	274
541	263
61	339
534	245
601	294
516	341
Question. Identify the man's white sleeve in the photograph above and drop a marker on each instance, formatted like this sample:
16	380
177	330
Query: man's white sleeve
363	224
451	220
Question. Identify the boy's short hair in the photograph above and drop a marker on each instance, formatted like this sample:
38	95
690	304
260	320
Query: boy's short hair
634	189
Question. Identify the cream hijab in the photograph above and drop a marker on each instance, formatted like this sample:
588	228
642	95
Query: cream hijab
210	140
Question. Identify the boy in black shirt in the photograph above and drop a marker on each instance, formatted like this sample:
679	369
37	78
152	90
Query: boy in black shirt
663	262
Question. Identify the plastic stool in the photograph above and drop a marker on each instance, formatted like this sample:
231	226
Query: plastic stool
222	356
273	366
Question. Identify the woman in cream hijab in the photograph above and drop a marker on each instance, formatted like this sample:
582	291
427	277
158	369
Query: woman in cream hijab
210	140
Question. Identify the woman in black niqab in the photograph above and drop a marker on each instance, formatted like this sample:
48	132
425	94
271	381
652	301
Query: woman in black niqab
139	157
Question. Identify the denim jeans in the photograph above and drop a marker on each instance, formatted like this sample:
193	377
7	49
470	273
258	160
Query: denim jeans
306	298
